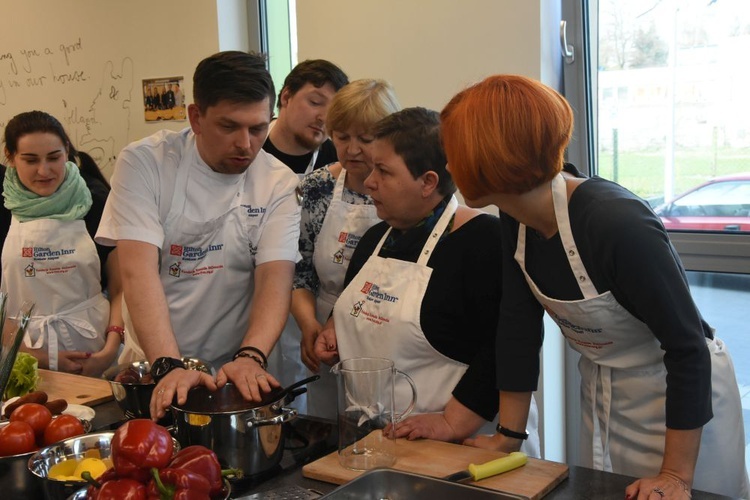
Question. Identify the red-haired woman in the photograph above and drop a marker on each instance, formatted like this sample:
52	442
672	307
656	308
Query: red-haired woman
598	260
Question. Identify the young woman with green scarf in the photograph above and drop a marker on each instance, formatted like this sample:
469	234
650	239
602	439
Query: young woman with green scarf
49	256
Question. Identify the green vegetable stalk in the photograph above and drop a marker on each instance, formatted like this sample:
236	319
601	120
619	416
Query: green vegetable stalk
10	350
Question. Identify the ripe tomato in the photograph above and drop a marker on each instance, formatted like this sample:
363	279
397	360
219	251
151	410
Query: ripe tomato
62	427
34	414
15	438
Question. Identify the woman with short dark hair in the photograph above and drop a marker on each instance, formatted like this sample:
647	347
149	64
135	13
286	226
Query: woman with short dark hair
423	286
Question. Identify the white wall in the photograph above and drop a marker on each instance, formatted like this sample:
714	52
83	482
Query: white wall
83	61
232	25
428	49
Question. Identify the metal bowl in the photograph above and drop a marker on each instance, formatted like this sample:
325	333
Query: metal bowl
39	464
21	482
134	398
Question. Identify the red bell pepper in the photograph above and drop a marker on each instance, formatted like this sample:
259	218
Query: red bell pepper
109	487
122	489
178	484
138	446
203	461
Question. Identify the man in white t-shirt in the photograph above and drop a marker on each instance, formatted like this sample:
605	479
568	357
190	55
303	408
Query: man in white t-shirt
206	223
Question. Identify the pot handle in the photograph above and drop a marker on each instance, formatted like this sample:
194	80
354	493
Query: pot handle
286	415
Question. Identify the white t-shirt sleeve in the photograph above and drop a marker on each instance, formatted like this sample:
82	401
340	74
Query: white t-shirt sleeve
132	209
279	238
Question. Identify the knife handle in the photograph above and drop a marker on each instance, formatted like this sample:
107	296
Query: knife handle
513	461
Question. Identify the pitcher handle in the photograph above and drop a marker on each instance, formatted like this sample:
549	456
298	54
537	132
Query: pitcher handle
398	418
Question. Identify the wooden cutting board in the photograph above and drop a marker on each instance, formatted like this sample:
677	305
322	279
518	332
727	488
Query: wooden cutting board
438	459
75	389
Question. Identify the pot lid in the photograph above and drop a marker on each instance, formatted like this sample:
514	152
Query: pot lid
228	399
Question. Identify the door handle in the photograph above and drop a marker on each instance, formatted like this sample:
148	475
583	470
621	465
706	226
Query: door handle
732	227
568	51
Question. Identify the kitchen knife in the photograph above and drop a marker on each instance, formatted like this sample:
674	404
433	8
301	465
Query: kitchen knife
492	468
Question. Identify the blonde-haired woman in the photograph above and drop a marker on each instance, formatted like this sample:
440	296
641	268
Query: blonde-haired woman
336	212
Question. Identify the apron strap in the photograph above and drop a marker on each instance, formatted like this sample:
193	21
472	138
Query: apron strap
311	165
601	376
434	236
438	231
191	159
338	189
560	201
50	324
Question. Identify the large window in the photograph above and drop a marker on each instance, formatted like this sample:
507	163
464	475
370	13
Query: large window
659	87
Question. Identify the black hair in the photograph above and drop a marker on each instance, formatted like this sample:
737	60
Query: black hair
315	71
29	123
32	122
235	76
414	134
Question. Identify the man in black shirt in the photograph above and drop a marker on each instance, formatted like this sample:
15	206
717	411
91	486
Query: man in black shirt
298	137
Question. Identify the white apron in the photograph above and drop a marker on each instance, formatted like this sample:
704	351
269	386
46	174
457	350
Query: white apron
377	315
343	226
206	270
54	264
623	382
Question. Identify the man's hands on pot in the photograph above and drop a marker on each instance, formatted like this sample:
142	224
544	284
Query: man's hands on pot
177	383
247	375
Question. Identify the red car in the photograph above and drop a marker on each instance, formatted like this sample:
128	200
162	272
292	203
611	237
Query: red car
721	204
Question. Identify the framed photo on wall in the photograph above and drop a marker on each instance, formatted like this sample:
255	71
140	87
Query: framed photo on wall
163	99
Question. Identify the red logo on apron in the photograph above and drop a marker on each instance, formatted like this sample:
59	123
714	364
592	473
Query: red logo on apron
27	252
342	236
175	250
367	287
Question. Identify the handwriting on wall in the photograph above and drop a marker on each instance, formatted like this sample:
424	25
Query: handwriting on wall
91	96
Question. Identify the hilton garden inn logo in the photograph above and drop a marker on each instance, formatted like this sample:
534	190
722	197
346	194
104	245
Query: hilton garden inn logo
374	294
254	211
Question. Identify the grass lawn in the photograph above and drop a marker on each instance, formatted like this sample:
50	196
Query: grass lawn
643	172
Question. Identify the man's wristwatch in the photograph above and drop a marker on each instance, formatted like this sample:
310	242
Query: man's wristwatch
162	366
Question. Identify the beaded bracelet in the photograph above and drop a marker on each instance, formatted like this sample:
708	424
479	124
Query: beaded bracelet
241	353
251	356
117	329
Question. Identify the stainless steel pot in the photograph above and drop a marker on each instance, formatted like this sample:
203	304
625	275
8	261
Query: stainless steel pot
244	435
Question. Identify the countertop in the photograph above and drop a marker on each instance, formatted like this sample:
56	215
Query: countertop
312	438
582	483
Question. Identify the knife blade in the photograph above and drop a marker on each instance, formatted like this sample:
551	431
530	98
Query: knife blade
482	471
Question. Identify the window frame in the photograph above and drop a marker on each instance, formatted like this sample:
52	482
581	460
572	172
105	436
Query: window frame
706	252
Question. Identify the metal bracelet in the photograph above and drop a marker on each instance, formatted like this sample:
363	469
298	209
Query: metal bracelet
684	486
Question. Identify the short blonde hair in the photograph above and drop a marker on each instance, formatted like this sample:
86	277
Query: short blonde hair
505	134
361	104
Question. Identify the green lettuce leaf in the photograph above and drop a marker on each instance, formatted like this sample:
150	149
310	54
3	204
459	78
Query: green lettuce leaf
24	377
